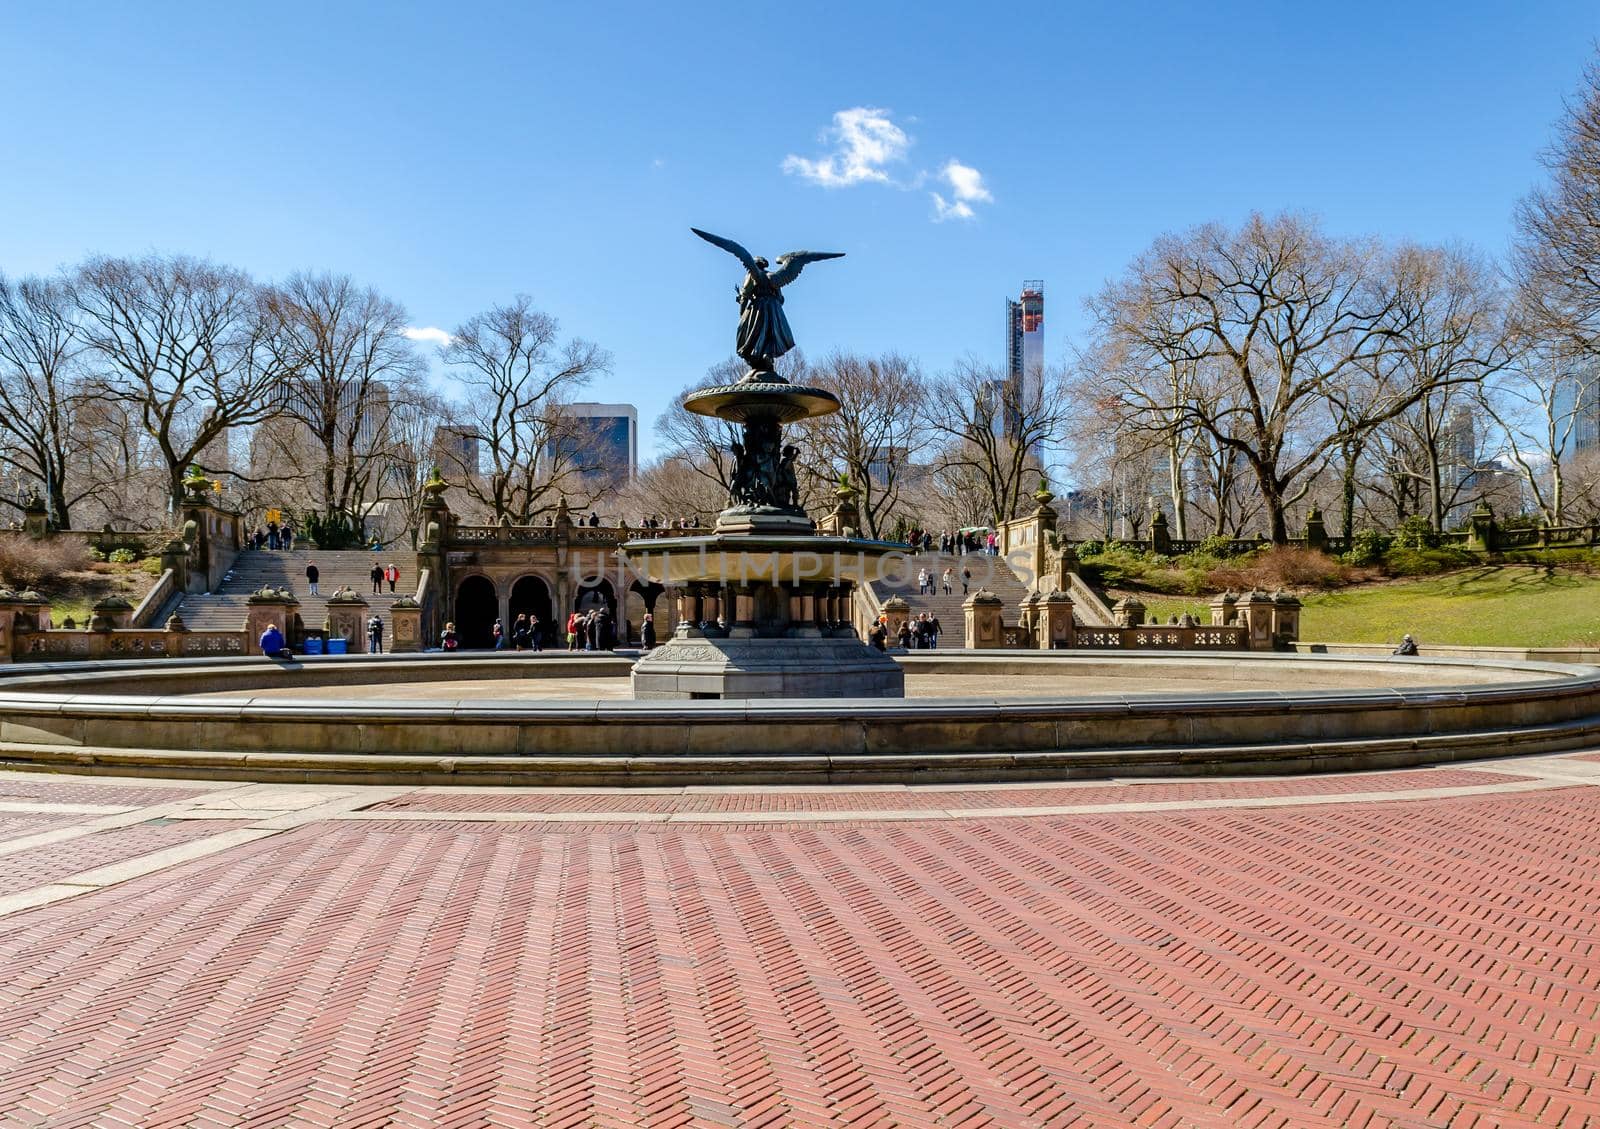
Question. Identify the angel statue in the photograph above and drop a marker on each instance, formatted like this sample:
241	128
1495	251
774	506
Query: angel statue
764	333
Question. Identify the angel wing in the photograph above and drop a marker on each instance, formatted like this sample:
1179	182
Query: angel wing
729	246
790	265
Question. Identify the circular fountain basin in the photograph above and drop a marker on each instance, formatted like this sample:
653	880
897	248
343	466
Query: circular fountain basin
556	718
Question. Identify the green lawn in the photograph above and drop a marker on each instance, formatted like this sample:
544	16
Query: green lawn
1497	605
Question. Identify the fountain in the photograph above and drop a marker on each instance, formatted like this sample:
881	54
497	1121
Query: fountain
764	601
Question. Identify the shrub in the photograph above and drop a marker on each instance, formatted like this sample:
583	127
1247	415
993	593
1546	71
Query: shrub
123	556
1404	561
97	554
1367	548
25	563
1280	566
1416	532
151	565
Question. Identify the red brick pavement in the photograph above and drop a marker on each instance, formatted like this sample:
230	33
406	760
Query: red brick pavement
39	866
15	825
823	799
19	787
1415	963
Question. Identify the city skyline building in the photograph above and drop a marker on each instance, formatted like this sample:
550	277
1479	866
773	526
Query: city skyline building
603	438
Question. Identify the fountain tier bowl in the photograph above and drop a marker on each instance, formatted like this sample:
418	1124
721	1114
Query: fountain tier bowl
796	558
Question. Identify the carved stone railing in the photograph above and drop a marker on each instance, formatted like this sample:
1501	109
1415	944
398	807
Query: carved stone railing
128	643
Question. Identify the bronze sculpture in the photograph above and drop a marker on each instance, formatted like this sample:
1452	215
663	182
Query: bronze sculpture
764	333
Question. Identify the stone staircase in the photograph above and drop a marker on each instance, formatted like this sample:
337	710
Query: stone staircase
225	609
991	573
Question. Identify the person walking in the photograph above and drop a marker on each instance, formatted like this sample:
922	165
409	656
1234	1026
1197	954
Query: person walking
934	631
922	582
375	634
531	634
377	576
272	535
966	578
312	576
392	575
949	580
647	632
287	533
905	635
499	633
572	631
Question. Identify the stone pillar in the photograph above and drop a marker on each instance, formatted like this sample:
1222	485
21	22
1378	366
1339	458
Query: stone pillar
1160	537
895	612
35	516
1224	612
1054	630
1128	612
1482	532
1316	531
266	606
177	632
1256	613
1028	615
109	614
347	619
983	620
1285	620
405	626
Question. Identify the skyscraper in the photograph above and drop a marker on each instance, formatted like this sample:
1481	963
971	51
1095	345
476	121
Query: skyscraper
603	439
1025	339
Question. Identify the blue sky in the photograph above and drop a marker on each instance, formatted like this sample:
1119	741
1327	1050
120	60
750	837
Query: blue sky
454	155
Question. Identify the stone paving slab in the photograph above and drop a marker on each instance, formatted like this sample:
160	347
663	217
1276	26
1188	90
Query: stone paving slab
1416	960
901	798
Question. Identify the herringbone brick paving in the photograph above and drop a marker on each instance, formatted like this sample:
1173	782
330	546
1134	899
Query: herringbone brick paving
909	799
14	786
39	866
1422	962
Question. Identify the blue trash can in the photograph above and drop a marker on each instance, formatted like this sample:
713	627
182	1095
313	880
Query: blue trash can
337	647
313	645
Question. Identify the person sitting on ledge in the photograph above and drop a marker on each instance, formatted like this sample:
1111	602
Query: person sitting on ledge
1408	646
274	645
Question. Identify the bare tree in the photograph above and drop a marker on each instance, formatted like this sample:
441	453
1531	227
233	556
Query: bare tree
517	376
1537	406
347	369
1556	259
996	430
181	343
1286	319
874	436
39	396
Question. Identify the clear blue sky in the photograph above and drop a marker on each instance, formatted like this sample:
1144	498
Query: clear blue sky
455	154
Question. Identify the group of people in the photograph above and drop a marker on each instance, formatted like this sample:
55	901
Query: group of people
274	536
957	542
656	521
524	636
930	581
592	630
921	632
380	573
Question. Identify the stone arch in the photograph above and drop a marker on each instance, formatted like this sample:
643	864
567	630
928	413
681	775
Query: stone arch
477	604
531	593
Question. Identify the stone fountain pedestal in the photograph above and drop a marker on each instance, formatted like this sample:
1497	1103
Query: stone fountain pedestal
763	602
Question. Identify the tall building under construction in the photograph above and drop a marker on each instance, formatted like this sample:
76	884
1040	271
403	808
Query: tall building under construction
1025	336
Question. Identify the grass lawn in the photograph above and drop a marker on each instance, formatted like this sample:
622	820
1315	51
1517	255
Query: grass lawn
1496	605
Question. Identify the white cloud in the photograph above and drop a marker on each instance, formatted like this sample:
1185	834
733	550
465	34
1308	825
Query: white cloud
865	140
966	189
427	333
